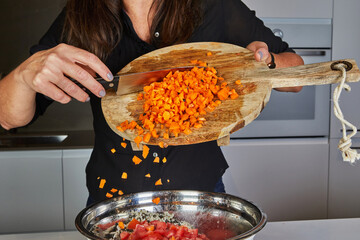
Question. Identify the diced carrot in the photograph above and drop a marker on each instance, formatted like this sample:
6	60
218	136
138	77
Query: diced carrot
109	195
121	225
161	144
124	175
145	151
209	54
157	160
156	200
120	129
234	94
238	82
158	182
114	190
147	137
120	193
136	160
124	144
102	183
164	160
113	150
148	175
137	140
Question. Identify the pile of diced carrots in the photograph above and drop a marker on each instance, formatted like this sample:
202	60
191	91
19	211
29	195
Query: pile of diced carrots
179	103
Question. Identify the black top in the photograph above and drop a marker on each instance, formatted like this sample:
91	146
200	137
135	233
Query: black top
192	167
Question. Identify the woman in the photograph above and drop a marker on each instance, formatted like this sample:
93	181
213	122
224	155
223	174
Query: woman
101	37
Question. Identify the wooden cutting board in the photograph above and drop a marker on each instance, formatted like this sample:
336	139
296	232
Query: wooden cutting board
232	63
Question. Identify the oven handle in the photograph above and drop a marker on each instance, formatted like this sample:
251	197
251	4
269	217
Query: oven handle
310	53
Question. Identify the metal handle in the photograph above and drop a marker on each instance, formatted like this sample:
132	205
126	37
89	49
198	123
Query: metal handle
311	53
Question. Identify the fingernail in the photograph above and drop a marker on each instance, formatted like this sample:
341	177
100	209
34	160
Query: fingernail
110	76
261	55
88	99
102	93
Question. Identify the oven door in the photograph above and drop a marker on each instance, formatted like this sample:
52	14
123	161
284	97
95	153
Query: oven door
294	114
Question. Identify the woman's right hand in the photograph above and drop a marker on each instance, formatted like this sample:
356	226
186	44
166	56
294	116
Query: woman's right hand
48	72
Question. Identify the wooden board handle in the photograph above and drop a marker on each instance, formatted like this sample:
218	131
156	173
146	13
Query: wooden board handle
309	74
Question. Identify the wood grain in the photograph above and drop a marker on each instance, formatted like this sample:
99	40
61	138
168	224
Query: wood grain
232	63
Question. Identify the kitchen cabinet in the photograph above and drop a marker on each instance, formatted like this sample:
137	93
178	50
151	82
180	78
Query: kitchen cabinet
292	8
346	39
286	178
344	178
31	191
75	191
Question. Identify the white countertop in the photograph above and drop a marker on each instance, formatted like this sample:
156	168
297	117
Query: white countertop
331	229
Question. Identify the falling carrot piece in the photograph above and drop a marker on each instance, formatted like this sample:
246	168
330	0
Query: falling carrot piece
136	160
161	144
121	225
120	192
124	175
148	175
156	200
124	144
145	151
114	190
109	195
137	140
113	150
168	180
157	160
102	183
164	160
158	182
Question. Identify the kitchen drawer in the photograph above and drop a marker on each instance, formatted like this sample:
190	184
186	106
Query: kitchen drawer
31	191
344	178
287	178
292	8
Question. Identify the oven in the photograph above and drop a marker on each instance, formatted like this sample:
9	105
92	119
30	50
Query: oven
303	114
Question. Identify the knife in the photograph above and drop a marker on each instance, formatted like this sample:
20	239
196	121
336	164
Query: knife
134	82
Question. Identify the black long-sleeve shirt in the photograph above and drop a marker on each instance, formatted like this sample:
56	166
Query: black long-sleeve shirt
192	167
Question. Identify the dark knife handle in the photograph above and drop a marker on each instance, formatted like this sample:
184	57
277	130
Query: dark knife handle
106	84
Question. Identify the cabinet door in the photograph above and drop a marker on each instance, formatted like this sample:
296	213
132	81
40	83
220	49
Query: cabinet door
287	178
292	8
346	38
75	191
31	191
344	178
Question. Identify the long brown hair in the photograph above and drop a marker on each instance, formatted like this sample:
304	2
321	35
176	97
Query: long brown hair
96	25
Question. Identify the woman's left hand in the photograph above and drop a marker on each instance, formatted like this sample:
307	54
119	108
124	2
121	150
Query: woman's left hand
285	59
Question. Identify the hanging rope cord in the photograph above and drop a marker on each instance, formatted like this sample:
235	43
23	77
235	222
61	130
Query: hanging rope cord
348	154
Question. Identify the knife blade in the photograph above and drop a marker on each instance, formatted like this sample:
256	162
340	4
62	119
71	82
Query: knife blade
134	82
